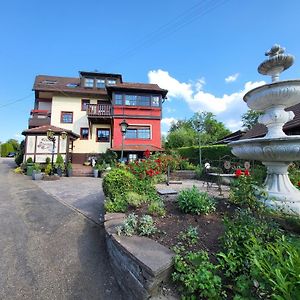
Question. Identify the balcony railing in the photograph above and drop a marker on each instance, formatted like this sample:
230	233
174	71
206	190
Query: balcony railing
99	110
39	118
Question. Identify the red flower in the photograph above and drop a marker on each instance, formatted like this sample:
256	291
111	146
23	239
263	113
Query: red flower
147	153
247	173
299	183
238	172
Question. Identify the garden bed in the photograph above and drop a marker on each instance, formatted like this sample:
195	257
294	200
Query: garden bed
210	227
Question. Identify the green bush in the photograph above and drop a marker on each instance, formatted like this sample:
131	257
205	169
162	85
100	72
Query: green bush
119	204
134	199
245	192
20	154
276	268
117	183
59	162
146	226
6	148
29	160
196	275
209	153
156	208
195	202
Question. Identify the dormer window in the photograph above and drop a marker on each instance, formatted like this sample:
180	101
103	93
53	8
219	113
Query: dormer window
89	82
111	82
100	83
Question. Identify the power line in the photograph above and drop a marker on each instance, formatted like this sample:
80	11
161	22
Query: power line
185	18
15	101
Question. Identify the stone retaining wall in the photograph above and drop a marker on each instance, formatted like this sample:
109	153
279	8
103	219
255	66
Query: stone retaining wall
139	264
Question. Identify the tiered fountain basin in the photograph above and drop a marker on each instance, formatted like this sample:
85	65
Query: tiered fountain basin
276	150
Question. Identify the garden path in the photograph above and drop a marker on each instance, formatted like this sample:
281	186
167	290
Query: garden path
48	250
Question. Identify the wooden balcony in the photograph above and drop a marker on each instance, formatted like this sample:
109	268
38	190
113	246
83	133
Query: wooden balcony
39	118
99	113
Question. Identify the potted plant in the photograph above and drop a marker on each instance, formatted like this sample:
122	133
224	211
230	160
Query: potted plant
29	166
101	168
59	165
37	172
96	171
69	169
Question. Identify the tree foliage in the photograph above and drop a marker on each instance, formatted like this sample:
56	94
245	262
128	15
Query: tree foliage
250	118
184	133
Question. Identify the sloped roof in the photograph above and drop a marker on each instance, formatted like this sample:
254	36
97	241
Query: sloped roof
45	128
260	130
72	85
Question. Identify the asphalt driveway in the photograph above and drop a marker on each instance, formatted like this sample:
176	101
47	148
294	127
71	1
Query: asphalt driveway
50	249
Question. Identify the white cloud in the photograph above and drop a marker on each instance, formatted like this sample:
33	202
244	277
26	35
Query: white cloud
168	121
18	136
232	78
228	108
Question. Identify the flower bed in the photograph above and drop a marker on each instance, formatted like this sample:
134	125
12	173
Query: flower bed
224	248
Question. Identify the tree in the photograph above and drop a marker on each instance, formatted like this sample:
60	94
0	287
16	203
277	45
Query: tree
14	143
6	148
210	128
186	132
250	118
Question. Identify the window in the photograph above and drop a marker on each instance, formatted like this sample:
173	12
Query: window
103	135
84	104
89	82
66	117
84	133
72	85
155	101
100	83
132	157
138	133
118	99
131	100
111	81
144	100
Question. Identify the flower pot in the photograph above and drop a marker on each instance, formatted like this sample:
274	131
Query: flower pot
69	172
59	171
29	169
96	173
37	175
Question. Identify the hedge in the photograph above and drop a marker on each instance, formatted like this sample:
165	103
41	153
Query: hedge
208	153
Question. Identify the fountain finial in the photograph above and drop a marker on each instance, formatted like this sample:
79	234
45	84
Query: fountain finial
277	62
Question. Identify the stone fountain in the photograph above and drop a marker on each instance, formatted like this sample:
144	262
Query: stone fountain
276	150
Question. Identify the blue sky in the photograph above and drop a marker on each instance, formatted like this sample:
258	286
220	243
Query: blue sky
189	47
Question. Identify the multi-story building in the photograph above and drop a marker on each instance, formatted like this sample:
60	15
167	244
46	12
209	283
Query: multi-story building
90	109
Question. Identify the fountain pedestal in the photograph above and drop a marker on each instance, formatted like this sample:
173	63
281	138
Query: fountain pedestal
282	193
276	150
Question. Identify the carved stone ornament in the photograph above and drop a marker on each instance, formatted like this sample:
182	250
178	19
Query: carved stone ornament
276	150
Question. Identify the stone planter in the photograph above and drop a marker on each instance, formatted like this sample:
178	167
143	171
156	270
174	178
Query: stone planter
59	171
96	173
37	175
139	263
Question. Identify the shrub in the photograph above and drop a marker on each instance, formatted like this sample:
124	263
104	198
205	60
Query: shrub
20	154
276	268
37	167
134	199
196	275
195	202
156	208
146	226
245	192
48	160
59	162
48	169
18	170
29	160
190	236
118	182
259	173
119	204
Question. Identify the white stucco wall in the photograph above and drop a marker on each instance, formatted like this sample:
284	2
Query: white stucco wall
73	104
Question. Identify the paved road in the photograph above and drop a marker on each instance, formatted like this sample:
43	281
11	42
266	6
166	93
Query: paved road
47	249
